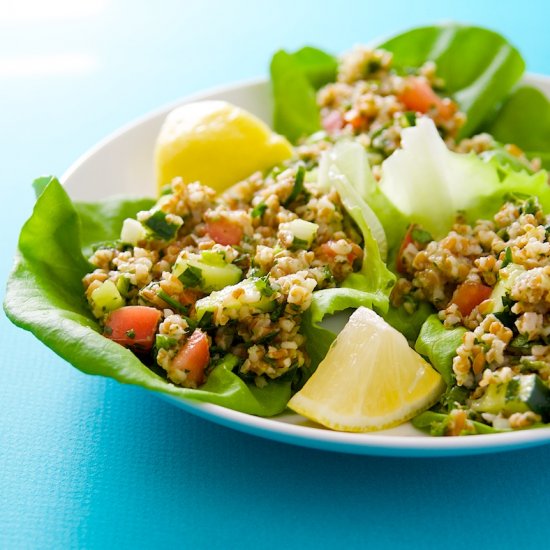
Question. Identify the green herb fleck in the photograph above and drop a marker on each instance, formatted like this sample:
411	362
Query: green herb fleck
421	236
298	185
162	341
507	257
372	66
408	119
160	227
299	244
264	286
259	211
277	311
530	206
171	301
520	343
191	277
131	333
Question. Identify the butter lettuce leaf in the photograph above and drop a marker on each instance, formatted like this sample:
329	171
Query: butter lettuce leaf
369	287
295	77
409	324
430	184
320	328
439	344
524	120
45	296
349	159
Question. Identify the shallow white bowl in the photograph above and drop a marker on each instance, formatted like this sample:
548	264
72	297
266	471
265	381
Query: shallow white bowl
123	164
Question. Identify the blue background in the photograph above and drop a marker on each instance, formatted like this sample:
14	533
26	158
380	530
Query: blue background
87	463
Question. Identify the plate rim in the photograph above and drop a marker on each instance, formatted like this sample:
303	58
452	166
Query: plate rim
371	443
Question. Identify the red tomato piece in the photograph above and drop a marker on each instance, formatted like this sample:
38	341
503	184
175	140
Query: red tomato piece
193	357
407	240
224	232
133	326
419	96
469	295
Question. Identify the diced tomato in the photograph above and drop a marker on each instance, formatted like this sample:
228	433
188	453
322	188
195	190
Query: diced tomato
193	357
224	232
407	240
333	122
419	96
469	295
133	326
355	120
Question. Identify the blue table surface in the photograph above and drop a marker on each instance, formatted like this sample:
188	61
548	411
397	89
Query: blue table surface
88	463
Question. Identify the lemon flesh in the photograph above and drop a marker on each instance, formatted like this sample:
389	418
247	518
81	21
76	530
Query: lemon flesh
370	379
215	143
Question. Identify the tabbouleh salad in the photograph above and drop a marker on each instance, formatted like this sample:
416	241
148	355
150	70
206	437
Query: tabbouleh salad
199	278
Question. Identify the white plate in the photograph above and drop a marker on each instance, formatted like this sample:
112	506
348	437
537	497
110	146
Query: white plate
123	164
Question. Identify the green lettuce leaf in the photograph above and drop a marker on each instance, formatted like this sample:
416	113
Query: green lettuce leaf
45	296
439	344
294	79
326	303
479	66
388	224
374	275
409	324
369	287
101	222
524	120
430	184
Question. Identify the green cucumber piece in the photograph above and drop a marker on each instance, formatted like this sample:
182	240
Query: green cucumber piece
508	276
303	232
106	298
123	285
524	392
132	232
249	293
160	227
207	272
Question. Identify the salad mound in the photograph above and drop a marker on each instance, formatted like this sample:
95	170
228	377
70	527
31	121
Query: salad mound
225	275
402	196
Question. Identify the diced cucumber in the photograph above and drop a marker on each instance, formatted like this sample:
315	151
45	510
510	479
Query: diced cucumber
508	276
160	227
524	392
106	298
123	285
207	272
303	232
246	293
213	257
132	232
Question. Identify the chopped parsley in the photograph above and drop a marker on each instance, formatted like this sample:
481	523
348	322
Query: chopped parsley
160	227
191	277
298	186
259	211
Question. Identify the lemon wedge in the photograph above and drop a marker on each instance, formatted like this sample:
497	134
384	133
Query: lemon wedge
215	143
370	379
